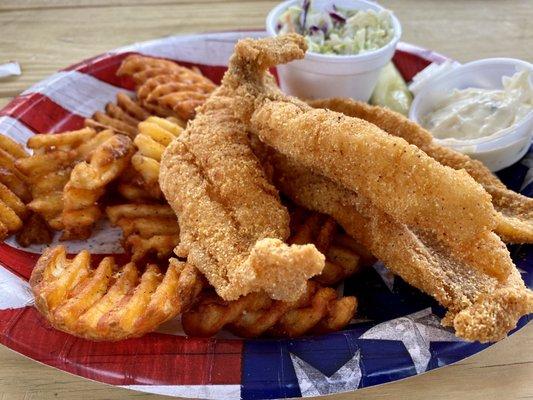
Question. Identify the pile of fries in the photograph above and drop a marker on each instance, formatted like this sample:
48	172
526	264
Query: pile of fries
109	170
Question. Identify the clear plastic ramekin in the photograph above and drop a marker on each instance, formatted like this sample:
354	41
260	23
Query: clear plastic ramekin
499	150
326	75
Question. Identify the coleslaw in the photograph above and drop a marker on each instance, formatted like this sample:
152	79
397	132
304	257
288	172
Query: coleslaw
336	30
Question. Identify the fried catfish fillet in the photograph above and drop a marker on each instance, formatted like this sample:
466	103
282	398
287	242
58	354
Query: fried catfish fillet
109	303
515	212
398	178
479	306
232	224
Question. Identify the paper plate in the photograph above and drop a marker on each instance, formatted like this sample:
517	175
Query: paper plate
400	335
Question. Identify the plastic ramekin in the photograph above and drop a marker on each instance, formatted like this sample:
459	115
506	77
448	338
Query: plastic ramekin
499	150
325	75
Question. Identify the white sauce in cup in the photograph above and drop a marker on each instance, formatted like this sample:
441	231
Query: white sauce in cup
476	113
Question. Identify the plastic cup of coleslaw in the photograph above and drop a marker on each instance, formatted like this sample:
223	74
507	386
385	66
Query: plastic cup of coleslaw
500	149
329	75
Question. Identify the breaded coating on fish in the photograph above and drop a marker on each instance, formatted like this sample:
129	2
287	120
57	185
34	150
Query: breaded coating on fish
515	218
398	178
232	224
479	306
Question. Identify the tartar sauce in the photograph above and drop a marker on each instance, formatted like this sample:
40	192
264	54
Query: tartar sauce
475	113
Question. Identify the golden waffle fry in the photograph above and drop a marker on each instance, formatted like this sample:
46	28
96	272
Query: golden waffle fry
185	81
162	112
138	67
109	303
299	321
101	120
181	93
122	117
11	147
34	231
47	175
146	228
366	259
13	189
48	169
171	90
318	309
320	230
132	187
18	186
87	184
155	134
60	141
12	212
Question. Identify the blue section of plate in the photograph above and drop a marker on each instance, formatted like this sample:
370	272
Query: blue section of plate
367	353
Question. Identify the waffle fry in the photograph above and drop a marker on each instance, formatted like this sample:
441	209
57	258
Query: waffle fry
34	231
47	176
60	141
178	92
317	310
171	89
139	67
12	212
122	117
109	303
320	230
87	184
146	228
131	186
13	189
155	134
48	169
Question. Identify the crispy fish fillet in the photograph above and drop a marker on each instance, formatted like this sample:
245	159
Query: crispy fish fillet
479	306
515	212
398	178
232	224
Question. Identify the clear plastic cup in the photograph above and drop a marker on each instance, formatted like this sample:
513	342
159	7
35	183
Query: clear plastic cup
499	150
326	75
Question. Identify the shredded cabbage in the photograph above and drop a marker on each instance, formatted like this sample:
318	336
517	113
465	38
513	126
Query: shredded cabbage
338	30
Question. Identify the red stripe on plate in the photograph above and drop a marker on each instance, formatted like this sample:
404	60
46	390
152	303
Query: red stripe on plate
42	114
409	64
20	262
104	68
155	359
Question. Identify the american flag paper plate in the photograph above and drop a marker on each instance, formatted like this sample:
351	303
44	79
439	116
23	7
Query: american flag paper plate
399	337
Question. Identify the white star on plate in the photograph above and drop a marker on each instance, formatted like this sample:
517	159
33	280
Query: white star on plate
416	331
527	161
16	292
386	275
312	382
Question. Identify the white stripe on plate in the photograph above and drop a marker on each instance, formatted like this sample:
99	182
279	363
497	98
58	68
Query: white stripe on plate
15	292
76	92
206	49
15	129
105	239
191	391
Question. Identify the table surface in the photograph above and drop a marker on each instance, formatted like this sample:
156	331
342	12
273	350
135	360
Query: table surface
44	36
